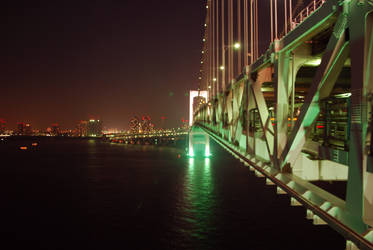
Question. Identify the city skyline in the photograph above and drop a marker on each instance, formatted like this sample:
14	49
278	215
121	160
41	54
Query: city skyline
4	125
67	61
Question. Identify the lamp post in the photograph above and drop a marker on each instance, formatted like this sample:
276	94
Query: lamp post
236	46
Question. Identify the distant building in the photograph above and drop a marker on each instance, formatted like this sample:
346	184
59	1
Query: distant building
55	130
28	129
20	128
24	129
94	128
2	126
82	129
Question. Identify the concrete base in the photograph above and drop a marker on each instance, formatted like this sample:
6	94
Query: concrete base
351	246
294	202
318	221
269	182
280	191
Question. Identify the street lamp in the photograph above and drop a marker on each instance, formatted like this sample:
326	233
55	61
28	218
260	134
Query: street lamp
237	45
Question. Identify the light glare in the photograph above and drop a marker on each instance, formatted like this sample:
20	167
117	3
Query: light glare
237	45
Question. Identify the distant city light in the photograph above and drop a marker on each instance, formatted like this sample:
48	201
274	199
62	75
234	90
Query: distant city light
222	67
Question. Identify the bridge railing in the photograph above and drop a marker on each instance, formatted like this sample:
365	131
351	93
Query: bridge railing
306	12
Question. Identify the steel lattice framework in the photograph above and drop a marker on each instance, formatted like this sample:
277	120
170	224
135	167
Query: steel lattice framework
302	111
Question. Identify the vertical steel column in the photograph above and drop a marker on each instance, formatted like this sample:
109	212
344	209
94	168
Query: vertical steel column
230	41
217	48
264	75
256	29
239	62
286	17
213	79
368	173
291	14
251	33
292	79
359	200
281	108
223	69
210	52
271	9
275	19
246	35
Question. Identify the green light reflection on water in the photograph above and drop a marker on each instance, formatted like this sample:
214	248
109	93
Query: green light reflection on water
199	201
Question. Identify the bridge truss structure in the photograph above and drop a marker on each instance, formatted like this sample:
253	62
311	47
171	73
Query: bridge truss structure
302	110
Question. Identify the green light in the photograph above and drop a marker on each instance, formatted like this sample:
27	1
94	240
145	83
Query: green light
191	162
344	95
313	62
191	152
207	164
207	150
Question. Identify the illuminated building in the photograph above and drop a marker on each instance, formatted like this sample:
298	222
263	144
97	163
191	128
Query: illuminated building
24	129
82	129
28	129
94	128
55	130
20	128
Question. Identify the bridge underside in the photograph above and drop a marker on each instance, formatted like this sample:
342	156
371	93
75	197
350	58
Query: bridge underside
303	112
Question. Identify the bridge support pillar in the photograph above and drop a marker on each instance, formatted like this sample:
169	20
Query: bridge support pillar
257	80
250	134
286	67
359	200
281	108
198	137
331	64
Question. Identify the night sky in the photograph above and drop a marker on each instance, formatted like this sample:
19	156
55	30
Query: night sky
65	61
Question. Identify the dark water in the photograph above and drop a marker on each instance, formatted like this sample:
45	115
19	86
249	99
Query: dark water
87	194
